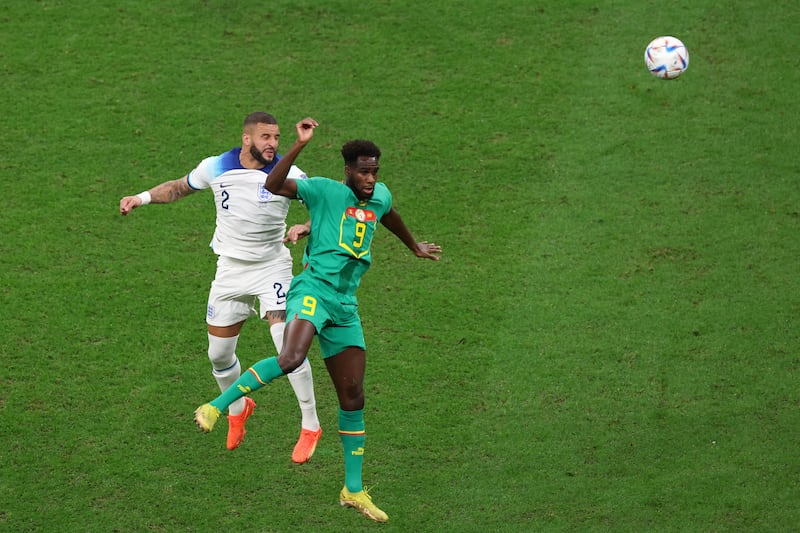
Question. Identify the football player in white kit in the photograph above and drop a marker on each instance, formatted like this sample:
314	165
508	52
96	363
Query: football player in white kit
253	265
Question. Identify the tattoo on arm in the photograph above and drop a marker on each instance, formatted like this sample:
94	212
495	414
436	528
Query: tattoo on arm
275	315
169	191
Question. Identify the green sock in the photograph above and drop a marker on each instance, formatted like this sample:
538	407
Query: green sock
351	431
253	379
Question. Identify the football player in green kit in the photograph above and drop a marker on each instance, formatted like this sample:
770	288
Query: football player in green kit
322	300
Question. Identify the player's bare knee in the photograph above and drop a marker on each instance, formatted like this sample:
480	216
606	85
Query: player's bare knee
351	396
352	403
289	360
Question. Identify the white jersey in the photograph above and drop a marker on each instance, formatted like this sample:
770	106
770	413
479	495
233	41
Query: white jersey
251	221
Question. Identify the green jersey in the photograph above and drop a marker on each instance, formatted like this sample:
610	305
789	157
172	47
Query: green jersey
342	227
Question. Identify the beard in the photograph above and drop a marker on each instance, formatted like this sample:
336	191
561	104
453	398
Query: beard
258	157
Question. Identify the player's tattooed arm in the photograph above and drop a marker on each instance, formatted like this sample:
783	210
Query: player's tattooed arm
169	191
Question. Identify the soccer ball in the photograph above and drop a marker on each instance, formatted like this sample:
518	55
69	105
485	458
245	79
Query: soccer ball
666	57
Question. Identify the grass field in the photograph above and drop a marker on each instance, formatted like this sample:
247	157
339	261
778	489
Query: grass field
609	343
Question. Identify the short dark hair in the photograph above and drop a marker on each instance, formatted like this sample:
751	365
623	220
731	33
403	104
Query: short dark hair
352	150
259	117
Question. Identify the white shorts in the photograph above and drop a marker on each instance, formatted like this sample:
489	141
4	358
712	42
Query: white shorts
239	284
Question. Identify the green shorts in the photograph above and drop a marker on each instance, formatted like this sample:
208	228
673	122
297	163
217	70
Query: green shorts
337	322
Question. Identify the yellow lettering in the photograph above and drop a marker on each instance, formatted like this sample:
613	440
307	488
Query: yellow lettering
311	303
361	230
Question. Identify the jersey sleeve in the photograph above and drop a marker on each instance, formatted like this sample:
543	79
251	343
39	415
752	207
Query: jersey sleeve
296	174
203	174
308	190
387	198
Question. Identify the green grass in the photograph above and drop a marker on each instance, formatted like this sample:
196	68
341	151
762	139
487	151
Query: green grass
610	341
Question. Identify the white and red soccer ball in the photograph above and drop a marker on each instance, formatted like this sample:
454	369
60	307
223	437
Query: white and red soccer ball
666	57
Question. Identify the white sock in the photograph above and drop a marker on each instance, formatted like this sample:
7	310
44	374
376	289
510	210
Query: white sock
302	382
226	368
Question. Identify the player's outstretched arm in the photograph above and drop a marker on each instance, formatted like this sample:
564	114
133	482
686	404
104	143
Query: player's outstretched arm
276	180
395	224
167	192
